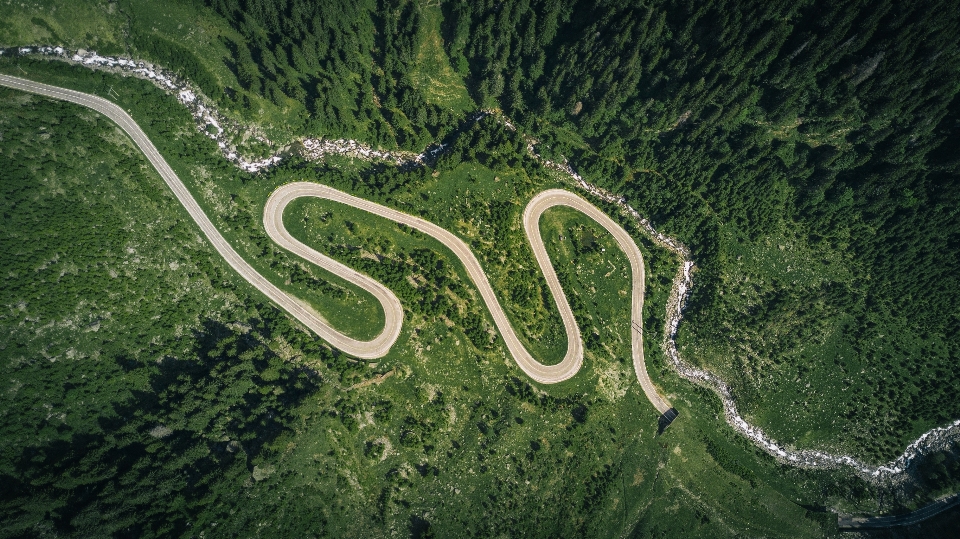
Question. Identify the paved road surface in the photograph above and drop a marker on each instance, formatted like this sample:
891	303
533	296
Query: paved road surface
933	509
379	346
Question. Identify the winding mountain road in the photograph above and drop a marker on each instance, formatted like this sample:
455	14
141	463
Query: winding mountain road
380	345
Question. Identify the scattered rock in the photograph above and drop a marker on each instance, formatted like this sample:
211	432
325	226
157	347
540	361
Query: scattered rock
161	431
263	471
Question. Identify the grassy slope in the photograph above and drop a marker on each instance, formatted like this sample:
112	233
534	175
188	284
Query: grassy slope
59	22
433	74
751	356
518	450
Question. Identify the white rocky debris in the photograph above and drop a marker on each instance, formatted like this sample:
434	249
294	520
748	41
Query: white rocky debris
316	149
256	166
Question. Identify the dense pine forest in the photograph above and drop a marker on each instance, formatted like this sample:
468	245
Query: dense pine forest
807	152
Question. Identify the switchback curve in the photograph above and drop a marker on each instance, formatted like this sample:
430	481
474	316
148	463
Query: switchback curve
547	374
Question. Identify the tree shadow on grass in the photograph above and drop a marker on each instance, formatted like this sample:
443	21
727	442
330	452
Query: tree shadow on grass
162	449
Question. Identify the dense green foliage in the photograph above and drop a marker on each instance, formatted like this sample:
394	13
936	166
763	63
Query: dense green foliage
807	152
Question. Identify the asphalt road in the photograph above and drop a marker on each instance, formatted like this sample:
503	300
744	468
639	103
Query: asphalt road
379	346
933	509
